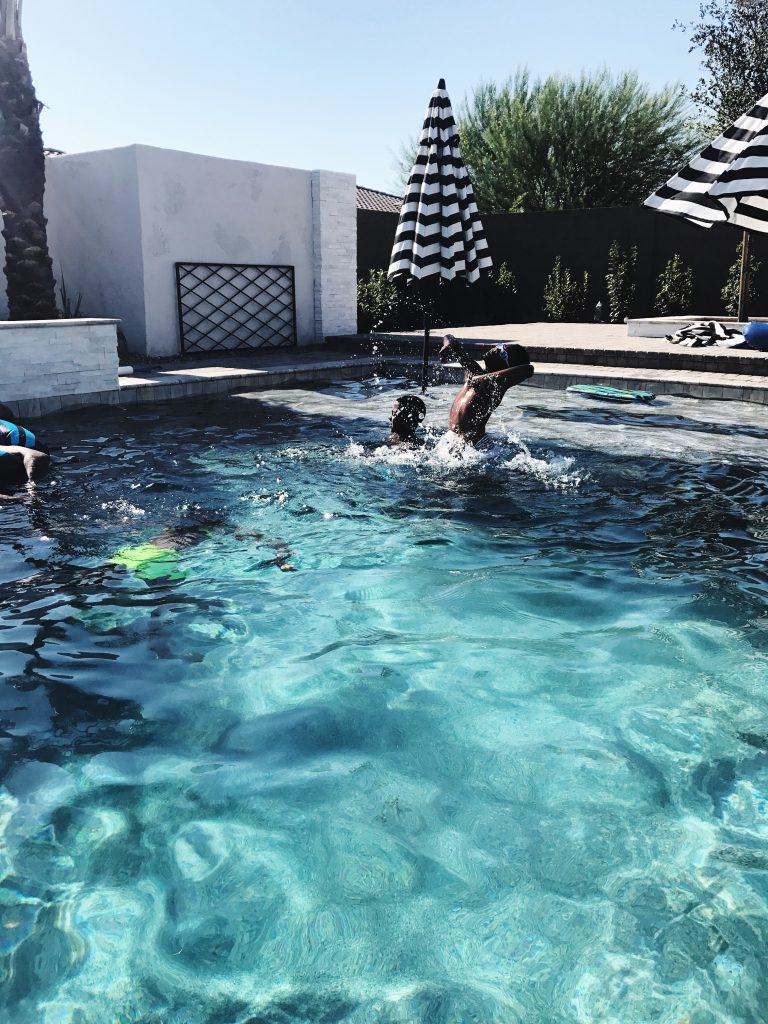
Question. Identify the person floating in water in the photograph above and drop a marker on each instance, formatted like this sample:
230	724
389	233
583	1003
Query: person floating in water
407	413
483	389
158	559
23	458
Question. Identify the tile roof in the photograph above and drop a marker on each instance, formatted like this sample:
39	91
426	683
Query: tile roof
381	202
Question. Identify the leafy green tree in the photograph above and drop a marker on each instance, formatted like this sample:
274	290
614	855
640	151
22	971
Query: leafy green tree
620	282
730	292
28	268
559	143
675	288
565	294
732	36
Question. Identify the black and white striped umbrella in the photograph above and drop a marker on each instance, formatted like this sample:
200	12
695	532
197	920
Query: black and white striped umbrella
439	231
728	181
439	235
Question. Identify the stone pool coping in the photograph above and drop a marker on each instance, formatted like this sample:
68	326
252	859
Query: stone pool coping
680	383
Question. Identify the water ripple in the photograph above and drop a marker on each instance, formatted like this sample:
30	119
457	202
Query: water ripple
495	750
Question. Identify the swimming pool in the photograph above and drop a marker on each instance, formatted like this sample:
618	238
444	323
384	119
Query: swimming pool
496	751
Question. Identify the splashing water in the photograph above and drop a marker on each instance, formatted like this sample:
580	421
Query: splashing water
558	471
446	453
123	508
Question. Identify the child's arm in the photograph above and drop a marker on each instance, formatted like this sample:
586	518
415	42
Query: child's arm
507	378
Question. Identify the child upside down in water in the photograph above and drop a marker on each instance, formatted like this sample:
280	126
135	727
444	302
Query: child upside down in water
483	389
158	559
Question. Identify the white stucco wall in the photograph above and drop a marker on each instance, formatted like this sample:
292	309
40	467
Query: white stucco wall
94	234
204	209
119	219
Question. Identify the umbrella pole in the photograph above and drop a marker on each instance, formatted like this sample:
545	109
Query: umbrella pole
425	351
741	315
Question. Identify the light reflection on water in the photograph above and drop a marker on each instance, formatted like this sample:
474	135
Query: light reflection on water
495	751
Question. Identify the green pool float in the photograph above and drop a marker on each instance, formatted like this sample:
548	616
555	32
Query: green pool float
609	394
149	562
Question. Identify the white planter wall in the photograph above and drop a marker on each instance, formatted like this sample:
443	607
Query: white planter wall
48	365
119	219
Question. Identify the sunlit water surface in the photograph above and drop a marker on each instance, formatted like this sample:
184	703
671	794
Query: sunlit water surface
495	751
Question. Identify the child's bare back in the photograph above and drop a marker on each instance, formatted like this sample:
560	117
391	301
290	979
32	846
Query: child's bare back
483	389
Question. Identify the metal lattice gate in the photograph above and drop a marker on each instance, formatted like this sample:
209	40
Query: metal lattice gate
226	306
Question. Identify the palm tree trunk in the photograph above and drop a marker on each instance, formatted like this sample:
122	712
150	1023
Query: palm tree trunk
28	267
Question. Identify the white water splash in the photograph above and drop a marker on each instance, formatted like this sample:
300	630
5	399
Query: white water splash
556	471
124	508
393	455
265	498
448	452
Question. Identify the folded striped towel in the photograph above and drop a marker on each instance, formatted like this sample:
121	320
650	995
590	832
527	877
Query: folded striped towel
707	332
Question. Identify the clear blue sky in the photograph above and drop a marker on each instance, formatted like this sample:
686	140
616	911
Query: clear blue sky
328	84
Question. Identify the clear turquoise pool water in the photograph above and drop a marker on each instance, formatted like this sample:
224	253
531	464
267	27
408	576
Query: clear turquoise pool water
495	752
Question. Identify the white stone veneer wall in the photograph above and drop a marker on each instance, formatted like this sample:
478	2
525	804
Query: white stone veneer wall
48	364
334	229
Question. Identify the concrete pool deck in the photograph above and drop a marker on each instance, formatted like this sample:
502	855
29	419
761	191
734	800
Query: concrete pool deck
222	373
563	354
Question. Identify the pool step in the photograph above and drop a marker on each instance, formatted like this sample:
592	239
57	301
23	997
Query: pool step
565	354
737	387
549	343
225	374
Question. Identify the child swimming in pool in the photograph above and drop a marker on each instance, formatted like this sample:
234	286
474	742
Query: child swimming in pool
158	559
407	413
483	388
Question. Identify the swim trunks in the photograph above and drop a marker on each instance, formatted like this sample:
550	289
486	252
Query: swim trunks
149	562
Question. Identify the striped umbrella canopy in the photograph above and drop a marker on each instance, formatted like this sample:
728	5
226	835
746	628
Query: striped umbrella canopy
727	183
439	235
439	231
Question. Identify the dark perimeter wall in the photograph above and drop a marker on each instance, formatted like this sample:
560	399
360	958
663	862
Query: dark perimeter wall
530	243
